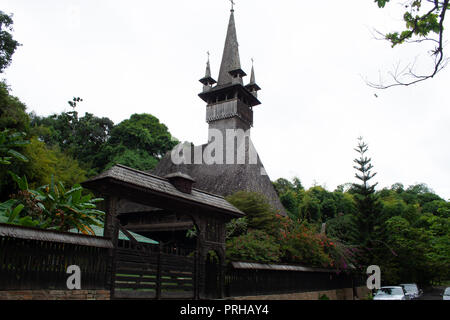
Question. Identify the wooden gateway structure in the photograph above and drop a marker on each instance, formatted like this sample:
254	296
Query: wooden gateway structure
167	210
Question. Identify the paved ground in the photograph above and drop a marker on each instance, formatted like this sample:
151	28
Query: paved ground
433	293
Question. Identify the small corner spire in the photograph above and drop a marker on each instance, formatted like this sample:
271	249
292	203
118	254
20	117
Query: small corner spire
207	80
252	77
208	66
252	86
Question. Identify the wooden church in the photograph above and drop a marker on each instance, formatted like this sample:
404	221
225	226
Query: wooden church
229	110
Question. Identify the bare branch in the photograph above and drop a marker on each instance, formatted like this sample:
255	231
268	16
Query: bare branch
407	76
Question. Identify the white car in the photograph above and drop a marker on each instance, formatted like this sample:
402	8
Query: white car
391	293
412	290
446	295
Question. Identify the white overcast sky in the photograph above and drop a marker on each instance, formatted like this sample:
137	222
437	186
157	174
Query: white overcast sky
136	56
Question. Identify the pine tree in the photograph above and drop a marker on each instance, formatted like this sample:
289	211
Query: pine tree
368	205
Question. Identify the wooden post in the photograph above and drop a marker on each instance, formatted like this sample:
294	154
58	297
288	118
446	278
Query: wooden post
158	274
221	277
196	295
111	231
201	256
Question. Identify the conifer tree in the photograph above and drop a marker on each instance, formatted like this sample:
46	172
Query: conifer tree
368	205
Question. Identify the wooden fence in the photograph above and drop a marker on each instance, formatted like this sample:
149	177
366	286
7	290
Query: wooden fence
251	279
38	259
35	259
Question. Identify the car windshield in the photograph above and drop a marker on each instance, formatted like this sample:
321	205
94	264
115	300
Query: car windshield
447	292
410	287
389	291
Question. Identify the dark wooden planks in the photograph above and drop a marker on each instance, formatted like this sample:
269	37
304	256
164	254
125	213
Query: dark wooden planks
38	264
168	276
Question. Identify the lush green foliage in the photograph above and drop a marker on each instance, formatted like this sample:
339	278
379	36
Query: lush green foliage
255	245
417	236
82	138
98	144
13	114
315	204
263	236
8	143
301	243
417	23
402	229
138	142
260	215
43	163
7	44
17	143
52	207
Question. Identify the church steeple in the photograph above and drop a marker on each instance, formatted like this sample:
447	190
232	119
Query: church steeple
230	68
229	103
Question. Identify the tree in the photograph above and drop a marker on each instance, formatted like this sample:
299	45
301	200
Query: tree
138	142
344	228
83	138
424	22
144	132
367	217
290	194
7	44
13	114
43	163
310	208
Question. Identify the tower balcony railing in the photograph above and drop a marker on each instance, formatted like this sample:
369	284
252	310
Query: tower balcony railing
228	109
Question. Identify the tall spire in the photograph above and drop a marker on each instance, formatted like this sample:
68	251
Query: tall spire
230	59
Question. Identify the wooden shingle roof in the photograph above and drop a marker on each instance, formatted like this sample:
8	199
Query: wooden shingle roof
21	232
152	183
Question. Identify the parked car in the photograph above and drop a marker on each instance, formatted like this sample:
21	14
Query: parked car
391	293
412	290
446	295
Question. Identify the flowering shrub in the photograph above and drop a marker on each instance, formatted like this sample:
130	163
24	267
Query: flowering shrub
301	244
255	246
264	236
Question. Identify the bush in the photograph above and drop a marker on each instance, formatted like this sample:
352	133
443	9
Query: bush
255	246
300	243
259	214
51	207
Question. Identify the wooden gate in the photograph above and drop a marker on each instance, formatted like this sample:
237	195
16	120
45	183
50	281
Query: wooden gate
152	272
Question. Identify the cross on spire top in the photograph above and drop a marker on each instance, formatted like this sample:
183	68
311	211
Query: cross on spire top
232	5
